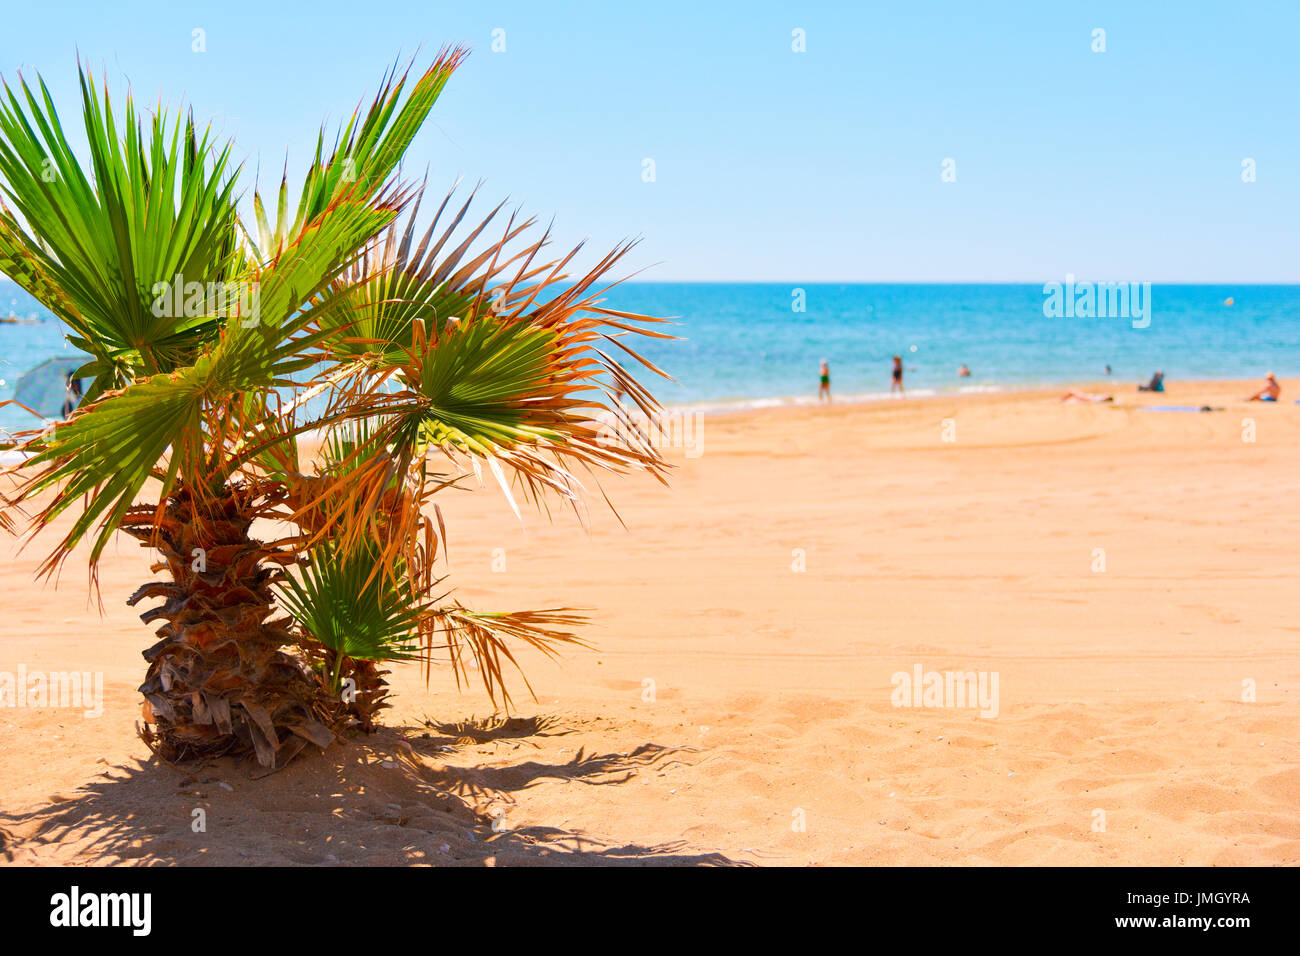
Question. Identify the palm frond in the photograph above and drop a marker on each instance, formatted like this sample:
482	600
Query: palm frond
486	638
366	153
337	600
491	356
95	245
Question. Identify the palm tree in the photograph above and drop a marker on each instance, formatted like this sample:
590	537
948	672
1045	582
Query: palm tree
215	344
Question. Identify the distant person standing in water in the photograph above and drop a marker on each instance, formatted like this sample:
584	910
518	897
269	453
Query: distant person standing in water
964	371
897	380
824	389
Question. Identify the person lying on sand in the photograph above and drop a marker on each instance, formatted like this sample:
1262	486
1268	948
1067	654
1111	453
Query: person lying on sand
1269	392
1157	383
1073	395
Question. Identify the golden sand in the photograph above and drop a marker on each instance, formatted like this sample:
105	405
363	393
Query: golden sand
1130	577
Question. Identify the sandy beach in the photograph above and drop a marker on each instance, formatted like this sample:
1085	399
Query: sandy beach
1127	576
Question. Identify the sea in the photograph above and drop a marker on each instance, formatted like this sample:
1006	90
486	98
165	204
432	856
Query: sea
751	345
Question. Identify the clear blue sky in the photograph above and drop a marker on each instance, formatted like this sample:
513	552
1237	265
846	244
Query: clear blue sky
771	164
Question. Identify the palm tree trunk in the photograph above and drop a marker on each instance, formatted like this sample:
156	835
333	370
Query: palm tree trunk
219	680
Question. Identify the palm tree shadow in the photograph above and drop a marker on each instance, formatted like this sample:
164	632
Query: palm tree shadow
379	800
490	729
488	782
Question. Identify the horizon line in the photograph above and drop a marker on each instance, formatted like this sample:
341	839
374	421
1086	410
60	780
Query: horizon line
1079	280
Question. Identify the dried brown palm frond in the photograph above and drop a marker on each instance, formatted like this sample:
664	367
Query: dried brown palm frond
487	638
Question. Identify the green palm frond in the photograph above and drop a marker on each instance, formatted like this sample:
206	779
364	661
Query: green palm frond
365	155
406	280
476	383
93	245
339	600
479	350
109	449
112	447
517	381
257	351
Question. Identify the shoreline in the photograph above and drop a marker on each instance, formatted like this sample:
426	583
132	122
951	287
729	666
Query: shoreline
1121	391
1228	392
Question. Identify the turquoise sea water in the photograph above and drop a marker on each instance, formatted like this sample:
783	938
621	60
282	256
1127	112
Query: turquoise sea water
744	344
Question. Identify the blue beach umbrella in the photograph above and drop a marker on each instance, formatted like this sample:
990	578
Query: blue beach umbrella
45	388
